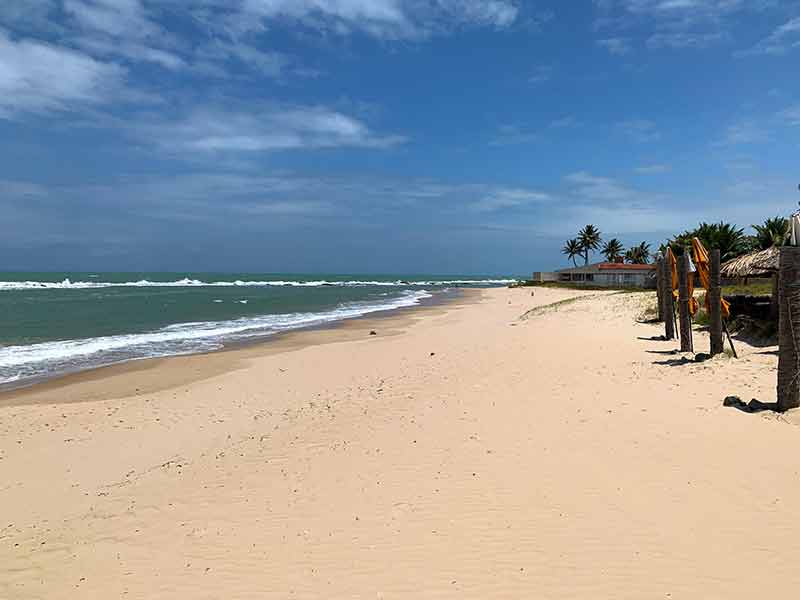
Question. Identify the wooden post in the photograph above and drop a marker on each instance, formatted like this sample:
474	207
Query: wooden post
789	329
715	305
775	301
669	319
660	289
683	304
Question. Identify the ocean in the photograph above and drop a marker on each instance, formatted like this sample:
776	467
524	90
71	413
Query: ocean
57	323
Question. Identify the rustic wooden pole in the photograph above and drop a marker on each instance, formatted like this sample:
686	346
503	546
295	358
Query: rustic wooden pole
775	301
683	304
789	329
715	305
669	315
660	289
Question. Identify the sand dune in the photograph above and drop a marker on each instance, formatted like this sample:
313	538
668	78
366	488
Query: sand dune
465	451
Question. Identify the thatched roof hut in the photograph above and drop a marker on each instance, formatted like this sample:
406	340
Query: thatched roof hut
755	264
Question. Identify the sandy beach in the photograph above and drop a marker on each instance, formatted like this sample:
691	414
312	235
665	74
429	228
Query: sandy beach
505	445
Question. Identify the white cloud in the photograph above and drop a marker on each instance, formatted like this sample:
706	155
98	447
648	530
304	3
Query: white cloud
746	188
122	28
217	130
782	40
617	46
541	74
565	123
271	64
681	12
507	198
791	115
653	169
618	207
685	39
678	24
38	78
21	189
393	19
118	18
591	187
640	130
131	50
510	135
743	132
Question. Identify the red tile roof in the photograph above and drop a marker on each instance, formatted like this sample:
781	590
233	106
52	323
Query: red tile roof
610	266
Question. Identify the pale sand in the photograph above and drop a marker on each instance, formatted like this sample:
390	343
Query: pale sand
548	457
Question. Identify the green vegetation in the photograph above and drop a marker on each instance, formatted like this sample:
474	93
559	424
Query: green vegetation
638	255
773	232
553	307
730	240
572	249
760	288
612	250
589	240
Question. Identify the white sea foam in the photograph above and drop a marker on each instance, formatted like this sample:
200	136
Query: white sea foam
66	284
48	358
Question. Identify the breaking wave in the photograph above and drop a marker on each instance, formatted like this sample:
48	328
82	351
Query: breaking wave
21	363
66	284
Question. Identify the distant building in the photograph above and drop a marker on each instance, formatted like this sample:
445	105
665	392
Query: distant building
604	274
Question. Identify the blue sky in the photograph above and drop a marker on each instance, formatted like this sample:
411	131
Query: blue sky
440	136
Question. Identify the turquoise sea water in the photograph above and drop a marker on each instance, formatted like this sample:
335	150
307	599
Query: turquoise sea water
56	323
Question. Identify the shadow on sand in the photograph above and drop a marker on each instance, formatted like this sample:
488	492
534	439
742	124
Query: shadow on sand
752	407
675	362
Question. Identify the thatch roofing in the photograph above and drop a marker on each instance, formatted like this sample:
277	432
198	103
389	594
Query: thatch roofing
755	264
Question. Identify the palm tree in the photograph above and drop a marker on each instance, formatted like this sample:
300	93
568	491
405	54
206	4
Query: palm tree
730	240
639	255
612	250
773	232
572	249
589	239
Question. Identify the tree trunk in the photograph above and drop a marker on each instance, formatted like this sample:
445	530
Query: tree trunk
789	329
715	305
669	320
683	304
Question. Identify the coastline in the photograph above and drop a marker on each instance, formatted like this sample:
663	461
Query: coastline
532	443
135	376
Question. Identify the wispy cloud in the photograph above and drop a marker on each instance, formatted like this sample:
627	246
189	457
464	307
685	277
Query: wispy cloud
785	38
508	198
640	130
566	122
21	189
592	187
510	135
677	24
37	78
653	169
685	39
616	45
214	130
745	188
388	19
541	74
743	132
791	115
